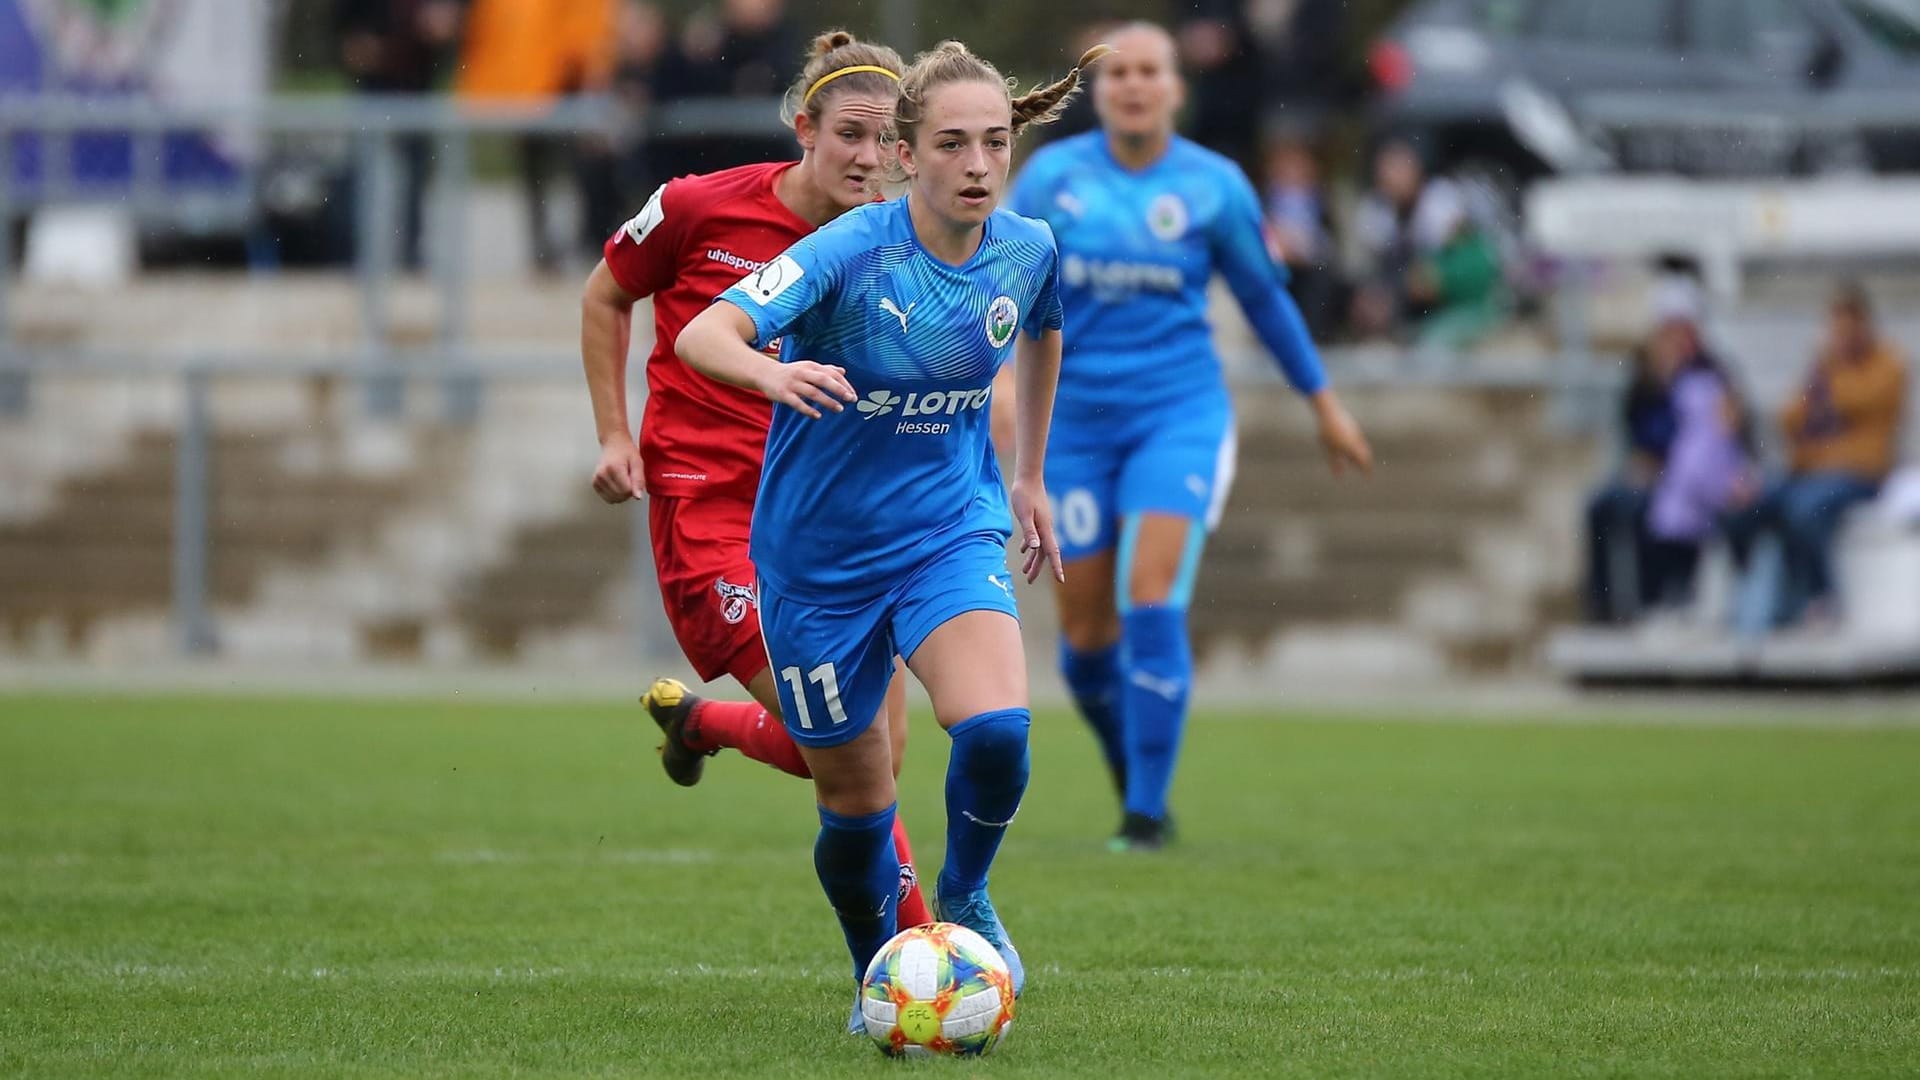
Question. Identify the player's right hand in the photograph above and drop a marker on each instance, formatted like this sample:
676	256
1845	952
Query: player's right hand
807	387
619	476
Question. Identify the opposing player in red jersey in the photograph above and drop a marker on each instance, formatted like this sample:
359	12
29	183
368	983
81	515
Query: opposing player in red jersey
701	441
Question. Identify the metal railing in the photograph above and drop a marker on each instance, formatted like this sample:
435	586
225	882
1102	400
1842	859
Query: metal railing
464	369
373	124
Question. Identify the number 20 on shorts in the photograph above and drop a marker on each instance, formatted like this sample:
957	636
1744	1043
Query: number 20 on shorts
822	677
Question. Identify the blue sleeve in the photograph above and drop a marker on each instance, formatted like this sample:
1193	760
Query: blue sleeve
1240	254
1045	314
797	281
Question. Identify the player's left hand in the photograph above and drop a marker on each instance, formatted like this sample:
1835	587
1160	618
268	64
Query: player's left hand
1341	437
1033	515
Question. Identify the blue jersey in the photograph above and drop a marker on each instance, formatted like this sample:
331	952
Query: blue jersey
851	502
1137	250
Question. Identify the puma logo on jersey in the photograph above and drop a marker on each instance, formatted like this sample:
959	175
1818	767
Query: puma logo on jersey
887	305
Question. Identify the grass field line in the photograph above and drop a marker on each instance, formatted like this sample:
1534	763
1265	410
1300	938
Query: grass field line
570	856
125	971
1240	697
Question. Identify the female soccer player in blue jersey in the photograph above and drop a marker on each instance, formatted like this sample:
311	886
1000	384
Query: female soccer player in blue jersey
1144	446
881	529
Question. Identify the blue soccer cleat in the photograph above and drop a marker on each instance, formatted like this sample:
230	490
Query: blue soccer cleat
857	1023
975	912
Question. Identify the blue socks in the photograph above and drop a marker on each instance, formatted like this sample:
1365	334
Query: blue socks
1159	673
986	776
858	868
1094	679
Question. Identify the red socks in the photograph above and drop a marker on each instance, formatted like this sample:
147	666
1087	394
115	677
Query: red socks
747	727
913	906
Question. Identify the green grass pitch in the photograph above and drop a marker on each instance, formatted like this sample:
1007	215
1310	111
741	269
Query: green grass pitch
194	887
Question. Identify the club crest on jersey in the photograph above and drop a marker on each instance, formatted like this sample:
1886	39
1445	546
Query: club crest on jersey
1167	217
735	600
1003	317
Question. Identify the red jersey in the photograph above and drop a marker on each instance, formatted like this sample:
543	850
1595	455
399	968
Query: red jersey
694	239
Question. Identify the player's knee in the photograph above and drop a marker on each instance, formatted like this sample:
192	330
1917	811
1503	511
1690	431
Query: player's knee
855	801
854	793
1089	631
995	745
1151	581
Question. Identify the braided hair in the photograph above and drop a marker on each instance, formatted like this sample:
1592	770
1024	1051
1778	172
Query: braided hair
953	62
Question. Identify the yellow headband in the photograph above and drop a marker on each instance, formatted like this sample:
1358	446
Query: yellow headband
832	75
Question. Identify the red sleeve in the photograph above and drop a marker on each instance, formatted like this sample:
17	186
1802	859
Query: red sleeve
644	254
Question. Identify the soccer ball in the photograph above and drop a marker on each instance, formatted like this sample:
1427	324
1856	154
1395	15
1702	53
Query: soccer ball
937	989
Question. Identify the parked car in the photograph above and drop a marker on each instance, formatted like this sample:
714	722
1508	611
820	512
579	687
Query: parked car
1519	88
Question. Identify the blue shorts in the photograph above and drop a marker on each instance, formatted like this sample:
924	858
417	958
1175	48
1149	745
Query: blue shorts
1170	461
832	662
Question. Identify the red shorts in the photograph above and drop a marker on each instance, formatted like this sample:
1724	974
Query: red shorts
706	583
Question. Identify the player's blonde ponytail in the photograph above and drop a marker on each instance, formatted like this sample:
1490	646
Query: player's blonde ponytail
1045	104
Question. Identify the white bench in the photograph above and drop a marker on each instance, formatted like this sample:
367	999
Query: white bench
1724	223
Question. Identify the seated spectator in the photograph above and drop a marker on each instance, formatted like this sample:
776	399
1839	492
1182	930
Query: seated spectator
1841	431
1709	456
1687	447
1390	245
1299	230
1458	288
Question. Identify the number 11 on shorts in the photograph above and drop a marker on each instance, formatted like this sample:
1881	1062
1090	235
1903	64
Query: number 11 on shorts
823	677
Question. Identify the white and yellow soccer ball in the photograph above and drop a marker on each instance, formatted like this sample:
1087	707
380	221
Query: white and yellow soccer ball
937	989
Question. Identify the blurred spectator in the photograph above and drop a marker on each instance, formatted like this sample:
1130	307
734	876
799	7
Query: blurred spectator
1298	44
749	48
533	52
1683	429
1841	432
1710	453
1223	71
1457	287
397	47
746	49
1403	225
618	174
1300	231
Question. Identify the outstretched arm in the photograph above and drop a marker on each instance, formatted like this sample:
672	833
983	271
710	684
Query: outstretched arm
1241	254
718	343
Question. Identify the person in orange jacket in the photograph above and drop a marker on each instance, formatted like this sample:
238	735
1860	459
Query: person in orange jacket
1841	432
530	53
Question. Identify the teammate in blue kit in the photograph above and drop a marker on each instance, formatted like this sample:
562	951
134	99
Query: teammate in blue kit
880	529
1144	448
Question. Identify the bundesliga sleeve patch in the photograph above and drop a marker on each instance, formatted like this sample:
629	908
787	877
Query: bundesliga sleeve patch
766	284
649	217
